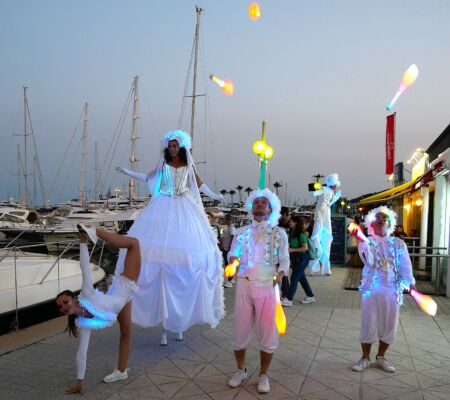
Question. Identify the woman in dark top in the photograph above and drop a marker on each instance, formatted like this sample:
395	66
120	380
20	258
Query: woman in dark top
298	250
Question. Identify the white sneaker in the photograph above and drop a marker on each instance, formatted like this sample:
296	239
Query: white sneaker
89	231
263	384
163	341
308	300
286	303
238	377
383	364
227	284
115	376
179	336
361	365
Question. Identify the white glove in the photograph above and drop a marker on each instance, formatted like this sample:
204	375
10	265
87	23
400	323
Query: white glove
205	189
137	175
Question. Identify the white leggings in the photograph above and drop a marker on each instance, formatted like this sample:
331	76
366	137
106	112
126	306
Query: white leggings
255	304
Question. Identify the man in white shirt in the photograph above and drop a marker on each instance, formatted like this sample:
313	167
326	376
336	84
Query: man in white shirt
225	243
259	247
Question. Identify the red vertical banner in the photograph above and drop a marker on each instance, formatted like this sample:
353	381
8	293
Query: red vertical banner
390	143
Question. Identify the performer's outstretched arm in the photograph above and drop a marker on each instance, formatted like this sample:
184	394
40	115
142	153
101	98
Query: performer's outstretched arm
140	176
205	189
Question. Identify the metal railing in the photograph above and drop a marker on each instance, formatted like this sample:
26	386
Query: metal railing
437	263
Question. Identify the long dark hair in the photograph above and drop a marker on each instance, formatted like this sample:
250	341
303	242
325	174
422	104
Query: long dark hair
71	326
181	155
299	226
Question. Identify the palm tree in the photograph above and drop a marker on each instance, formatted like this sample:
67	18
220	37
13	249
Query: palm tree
248	189
223	192
232	193
239	188
277	185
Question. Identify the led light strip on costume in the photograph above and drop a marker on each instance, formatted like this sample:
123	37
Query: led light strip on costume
268	233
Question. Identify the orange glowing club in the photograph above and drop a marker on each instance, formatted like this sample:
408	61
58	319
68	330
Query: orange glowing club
254	11
357	231
425	302
230	269
280	318
226	85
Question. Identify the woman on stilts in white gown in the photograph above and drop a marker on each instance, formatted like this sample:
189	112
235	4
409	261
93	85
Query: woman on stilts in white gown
181	276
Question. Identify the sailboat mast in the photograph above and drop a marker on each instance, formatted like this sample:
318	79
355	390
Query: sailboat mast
97	169
199	11
133	158
25	175
18	173
83	156
34	180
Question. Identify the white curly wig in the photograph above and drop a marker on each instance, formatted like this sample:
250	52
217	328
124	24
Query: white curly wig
183	139
370	218
274	202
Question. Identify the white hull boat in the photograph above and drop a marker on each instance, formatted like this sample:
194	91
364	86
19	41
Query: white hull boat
39	279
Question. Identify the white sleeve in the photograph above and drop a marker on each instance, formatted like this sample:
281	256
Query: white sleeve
365	253
335	198
316	193
283	253
81	357
232	230
87	284
236	246
404	263
140	176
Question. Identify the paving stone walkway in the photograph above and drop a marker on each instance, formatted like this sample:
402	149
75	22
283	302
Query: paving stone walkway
313	362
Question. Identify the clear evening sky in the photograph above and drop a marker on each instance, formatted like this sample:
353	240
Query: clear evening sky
320	73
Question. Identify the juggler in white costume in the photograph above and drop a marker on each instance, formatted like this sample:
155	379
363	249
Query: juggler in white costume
181	274
103	306
387	271
259	246
322	235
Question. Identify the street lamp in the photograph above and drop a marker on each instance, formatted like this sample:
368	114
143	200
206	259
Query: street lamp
264	153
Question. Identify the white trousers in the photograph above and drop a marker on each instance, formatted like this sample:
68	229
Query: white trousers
379	315
255	305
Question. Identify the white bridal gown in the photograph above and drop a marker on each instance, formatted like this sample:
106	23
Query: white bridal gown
180	284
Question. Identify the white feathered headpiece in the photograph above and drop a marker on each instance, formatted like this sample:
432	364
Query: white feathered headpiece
371	215
183	139
274	202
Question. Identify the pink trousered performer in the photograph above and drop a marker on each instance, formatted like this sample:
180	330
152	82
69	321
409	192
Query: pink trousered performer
387	272
322	234
181	278
259	247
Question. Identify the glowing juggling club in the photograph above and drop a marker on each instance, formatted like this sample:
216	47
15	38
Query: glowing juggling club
357	231
230	269
226	85
409	77
280	318
254	11
425	302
